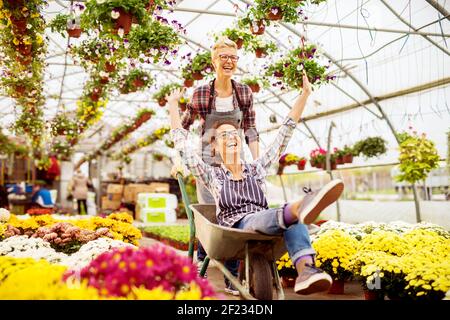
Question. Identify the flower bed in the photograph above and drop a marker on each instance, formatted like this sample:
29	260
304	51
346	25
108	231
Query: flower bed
175	236
400	260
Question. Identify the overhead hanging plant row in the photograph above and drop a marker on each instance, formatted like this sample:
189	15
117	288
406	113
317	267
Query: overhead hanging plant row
22	55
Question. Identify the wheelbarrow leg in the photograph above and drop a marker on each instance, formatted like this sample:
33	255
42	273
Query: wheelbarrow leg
234	281
204	266
278	286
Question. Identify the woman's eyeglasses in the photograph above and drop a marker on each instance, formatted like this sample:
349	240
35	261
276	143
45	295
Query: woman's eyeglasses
228	134
225	57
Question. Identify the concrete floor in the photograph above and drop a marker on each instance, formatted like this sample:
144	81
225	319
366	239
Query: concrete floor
352	290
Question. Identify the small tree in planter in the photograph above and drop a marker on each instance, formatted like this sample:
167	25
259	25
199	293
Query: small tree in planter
418	156
160	96
370	147
255	83
153	39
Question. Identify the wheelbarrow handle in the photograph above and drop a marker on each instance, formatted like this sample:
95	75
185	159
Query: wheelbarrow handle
187	206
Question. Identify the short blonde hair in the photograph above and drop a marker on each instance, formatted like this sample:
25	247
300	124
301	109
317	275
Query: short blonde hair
222	42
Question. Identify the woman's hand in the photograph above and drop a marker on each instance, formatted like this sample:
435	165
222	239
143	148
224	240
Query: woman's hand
307	89
173	97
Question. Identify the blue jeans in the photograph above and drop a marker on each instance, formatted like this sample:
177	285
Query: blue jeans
271	222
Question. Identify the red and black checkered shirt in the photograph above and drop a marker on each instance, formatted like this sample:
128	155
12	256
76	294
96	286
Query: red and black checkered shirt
199	107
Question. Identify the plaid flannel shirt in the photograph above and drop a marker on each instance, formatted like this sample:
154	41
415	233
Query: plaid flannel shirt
213	177
199	107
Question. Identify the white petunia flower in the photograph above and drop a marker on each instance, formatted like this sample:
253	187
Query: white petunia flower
115	14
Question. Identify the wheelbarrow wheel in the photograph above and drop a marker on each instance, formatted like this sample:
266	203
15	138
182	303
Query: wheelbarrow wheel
260	282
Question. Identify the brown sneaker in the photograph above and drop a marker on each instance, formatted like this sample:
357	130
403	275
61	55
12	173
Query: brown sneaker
312	280
315	201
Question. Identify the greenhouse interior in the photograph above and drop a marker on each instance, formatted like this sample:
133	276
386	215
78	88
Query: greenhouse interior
225	150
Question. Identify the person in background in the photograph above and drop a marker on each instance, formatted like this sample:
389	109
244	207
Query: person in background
42	196
80	185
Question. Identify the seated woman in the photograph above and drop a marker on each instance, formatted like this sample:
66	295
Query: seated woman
42	197
238	190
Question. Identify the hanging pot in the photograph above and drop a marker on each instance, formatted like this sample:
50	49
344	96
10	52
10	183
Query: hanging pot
188	83
278	74
74	33
239	43
301	165
340	160
162	102
25	49
24	60
197	75
110	67
150	6
104	80
258	28
124	21
275	14
182	106
145	117
138	83
255	87
19	24
260	53
20	89
348	158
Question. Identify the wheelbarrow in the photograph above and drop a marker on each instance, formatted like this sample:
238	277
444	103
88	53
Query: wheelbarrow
258	274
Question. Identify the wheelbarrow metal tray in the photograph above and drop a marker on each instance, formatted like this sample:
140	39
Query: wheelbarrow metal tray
222	242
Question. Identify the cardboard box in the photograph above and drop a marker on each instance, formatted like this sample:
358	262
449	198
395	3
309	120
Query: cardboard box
115	188
114	197
129	192
110	205
160	187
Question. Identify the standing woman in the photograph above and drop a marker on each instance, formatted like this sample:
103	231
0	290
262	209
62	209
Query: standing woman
220	99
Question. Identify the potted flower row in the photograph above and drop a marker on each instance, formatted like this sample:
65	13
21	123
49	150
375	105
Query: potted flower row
238	35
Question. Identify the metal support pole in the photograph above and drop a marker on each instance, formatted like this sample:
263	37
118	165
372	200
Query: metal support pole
99	178
328	167
416	202
282	187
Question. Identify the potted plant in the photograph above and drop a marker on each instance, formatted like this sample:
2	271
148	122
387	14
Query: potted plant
286	271
254	20
160	95
286	159
273	10
255	83
370	147
66	23
182	103
201	65
335	249
117	16
291	67
301	163
187	75
317	158
239	36
153	39
136	79
143	116
418	156
262	48
62	125
348	153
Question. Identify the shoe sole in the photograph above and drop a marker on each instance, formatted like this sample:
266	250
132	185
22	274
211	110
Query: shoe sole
327	195
317	283
231	292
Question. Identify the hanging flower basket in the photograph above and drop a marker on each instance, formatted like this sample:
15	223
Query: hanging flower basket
188	83
124	20
197	76
74	33
145	117
275	14
24	60
162	102
110	67
138	83
182	106
104	80
25	49
150	6
258	27
20	24
20	89
255	87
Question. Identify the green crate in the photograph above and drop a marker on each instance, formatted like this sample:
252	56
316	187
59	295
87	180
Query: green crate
155	216
156	203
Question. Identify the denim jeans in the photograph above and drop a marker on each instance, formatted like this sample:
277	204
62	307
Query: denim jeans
271	222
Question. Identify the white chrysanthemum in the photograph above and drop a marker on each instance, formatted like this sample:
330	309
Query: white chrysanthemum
4	215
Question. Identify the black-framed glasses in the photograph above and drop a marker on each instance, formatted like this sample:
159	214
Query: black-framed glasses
225	57
228	134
